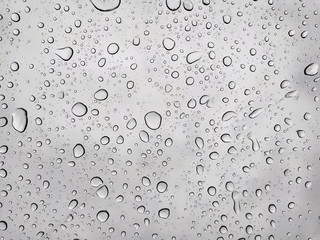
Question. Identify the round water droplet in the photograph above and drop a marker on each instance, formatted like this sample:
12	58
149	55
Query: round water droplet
14	66
113	48
272	208
162	186
173	5
227	61
164	213
96	181
229	186
3	226
188	5
78	150
168	43
3	149
212	190
79	109
101	94
226	19
104	140
15	17
153	120
102	216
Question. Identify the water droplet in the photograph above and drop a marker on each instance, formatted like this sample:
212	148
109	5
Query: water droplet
103	191
145	181
164	213
102	62
132	123
173	5
3	149
301	133
168	142
144	136
113	48
199	142
212	190
311	69
227	61
193	57
101	94
106	5
272	208
96	181
200	169
65	53
20	119
102	216
14	66
104	140
228	115
78	150
15	17
3	226
79	109
153	120
188	5
255	113
226	19
230	186
3	121
214	155
73	204
168	43
162	186
236	202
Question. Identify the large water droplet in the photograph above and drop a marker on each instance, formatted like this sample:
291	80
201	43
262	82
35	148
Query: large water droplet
65	53
164	213
103	216
162	186
168	43
103	191
20	119
193	57
79	109
78	150
101	94
173	5
153	120
311	69
113	48
106	5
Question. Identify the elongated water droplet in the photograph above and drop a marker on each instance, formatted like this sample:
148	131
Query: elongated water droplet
20	119
255	113
193	57
311	69
106	5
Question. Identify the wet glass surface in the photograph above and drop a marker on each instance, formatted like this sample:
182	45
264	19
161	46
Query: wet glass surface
171	119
